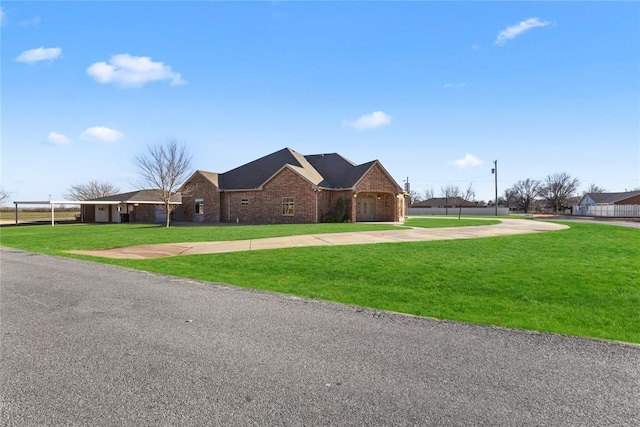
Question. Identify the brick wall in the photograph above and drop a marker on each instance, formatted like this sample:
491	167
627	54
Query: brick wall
377	181
635	200
265	206
199	187
143	213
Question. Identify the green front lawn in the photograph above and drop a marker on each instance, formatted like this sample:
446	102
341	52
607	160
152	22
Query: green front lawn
64	237
582	281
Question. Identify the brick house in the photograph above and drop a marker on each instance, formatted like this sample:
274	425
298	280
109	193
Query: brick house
288	187
134	206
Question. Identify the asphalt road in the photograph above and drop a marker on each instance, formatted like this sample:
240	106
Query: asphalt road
93	345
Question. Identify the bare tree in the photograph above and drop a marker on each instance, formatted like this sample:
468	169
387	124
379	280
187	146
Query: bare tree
594	188
522	194
428	193
91	190
414	197
449	192
468	195
165	167
4	196
558	189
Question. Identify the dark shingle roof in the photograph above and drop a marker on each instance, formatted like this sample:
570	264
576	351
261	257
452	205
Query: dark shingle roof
324	170
337	172
138	196
254	174
610	198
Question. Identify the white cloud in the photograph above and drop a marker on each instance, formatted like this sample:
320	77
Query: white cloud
133	71
515	30
57	139
101	133
3	16
34	21
370	121
467	161
39	54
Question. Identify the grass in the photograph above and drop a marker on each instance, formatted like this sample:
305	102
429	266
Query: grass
32	215
56	240
582	281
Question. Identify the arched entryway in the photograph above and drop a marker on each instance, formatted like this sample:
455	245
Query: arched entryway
366	207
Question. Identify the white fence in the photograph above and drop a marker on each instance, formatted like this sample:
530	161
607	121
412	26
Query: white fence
614	211
454	211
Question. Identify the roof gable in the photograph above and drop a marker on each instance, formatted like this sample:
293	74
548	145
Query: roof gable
331	171
254	174
366	167
212	177
337	171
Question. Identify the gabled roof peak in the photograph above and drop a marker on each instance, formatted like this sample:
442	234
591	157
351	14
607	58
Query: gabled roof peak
328	170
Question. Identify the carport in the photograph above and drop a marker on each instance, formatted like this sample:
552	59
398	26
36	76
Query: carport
52	205
146	203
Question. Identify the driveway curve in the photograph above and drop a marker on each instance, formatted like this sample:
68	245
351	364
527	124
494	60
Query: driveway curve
505	228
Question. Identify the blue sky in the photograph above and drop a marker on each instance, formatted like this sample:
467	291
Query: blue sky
434	90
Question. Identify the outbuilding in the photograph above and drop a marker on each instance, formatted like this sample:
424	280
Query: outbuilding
617	205
134	206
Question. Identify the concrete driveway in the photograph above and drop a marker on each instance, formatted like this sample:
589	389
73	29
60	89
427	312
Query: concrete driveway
87	344
506	227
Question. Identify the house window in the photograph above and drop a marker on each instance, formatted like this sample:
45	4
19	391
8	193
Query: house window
199	206
244	202
287	206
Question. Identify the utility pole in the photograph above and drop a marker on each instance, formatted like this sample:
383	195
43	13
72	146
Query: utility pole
494	171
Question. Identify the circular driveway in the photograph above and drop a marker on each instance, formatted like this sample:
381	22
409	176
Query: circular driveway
506	227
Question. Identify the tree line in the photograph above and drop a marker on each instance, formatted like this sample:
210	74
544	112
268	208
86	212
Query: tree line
555	193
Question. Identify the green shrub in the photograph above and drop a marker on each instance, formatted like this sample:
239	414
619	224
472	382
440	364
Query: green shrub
337	214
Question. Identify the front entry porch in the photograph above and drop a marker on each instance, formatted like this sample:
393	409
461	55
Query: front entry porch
378	207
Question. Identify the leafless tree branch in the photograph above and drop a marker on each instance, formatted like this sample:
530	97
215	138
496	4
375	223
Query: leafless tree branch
164	168
91	190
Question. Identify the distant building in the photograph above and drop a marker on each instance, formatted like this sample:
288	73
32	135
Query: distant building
446	202
453	206
618	205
